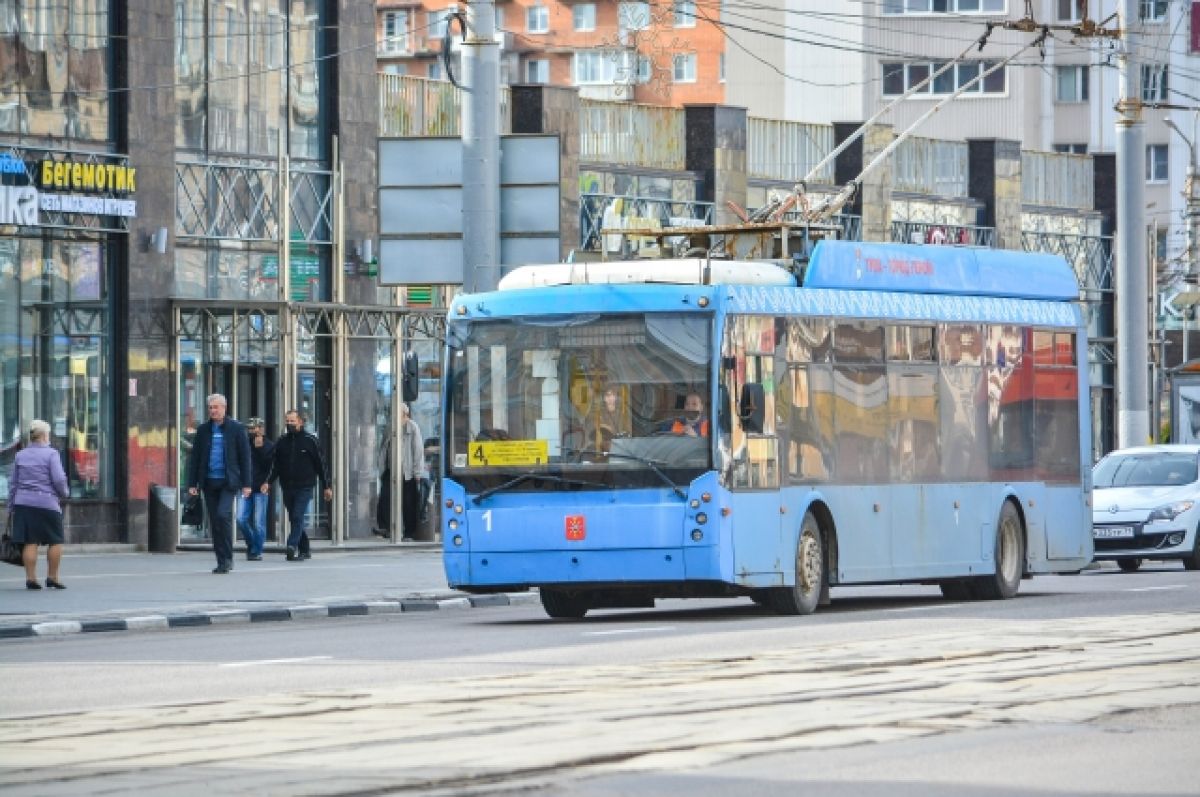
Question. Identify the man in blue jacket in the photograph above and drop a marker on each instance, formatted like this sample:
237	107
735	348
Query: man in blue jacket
220	466
298	464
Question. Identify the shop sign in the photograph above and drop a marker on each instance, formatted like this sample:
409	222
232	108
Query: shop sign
18	205
94	184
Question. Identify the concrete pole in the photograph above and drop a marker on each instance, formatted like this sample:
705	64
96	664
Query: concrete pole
481	149
1133	416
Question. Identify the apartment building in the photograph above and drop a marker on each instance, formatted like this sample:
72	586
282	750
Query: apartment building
662	52
804	61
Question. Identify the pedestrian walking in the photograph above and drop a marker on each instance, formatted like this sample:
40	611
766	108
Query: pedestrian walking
35	491
297	463
220	467
252	516
412	473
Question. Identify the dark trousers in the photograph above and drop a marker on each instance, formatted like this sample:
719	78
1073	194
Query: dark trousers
218	499
297	500
411	508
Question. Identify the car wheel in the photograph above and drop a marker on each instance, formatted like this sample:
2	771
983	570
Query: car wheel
805	595
564	605
1193	562
1009	558
1130	565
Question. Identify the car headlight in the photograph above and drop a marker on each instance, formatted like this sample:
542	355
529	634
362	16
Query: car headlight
1170	511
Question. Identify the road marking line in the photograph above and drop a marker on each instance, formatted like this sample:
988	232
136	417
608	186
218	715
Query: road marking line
1152	589
630	631
260	662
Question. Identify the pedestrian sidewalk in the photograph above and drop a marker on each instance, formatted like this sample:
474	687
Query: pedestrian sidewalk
121	591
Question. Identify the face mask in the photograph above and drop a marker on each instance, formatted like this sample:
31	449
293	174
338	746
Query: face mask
692	415
291	428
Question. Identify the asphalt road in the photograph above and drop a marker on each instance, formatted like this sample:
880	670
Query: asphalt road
1073	688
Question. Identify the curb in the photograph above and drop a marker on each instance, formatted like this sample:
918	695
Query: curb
265	614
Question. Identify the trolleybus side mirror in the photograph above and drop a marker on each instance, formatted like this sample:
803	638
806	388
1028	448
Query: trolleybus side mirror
409	376
751	407
723	423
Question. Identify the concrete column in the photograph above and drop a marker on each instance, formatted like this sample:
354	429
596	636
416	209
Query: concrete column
142	345
538	109
716	148
994	178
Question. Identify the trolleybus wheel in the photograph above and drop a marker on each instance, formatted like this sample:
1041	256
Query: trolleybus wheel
563	605
1009	558
805	595
1131	564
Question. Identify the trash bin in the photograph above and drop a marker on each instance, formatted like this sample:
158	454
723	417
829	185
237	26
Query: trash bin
162	521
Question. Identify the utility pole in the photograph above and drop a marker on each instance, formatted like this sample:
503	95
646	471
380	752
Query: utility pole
481	149
1192	192
1133	332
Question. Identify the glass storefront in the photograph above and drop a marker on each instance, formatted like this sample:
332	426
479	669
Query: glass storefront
55	356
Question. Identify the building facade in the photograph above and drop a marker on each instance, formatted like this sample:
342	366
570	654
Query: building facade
1056	98
188	199
663	52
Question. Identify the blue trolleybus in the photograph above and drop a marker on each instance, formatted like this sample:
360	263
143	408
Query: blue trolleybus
620	432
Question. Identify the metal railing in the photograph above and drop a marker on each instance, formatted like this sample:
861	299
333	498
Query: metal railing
1057	180
631	134
239	201
417	106
928	232
931	166
611	211
783	150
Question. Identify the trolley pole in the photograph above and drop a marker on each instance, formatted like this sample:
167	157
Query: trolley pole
1133	335
481	149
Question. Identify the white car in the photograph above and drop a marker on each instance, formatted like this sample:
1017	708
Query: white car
1146	505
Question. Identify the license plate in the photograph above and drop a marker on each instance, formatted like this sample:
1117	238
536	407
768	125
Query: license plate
1112	533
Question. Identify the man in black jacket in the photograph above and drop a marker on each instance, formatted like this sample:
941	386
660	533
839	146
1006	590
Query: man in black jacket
297	464
219	465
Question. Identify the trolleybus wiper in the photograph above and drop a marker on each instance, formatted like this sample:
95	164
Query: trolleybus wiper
649	463
524	477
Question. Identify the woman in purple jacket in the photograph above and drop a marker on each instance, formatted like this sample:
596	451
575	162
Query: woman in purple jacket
37	486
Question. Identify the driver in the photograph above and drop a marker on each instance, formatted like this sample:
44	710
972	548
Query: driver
692	423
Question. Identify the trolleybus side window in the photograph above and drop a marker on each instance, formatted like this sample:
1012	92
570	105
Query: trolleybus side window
810	449
860	404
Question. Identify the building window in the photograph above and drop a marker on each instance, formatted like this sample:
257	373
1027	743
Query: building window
395	33
537	71
944	6
436	22
633	16
685	68
1154	82
1156	163
1072	83
1070	10
1071	149
685	13
1152	10
537	19
645	69
435	70
899	78
583	17
601	66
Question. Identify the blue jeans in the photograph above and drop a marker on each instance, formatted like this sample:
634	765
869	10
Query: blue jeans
297	502
252	522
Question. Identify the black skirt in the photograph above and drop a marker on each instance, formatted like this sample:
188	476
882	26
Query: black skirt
33	525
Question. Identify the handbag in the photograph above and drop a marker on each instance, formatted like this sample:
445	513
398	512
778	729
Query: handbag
10	551
193	512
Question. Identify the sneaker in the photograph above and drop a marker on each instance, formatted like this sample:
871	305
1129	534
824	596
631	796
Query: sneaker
305	555
254	557
291	554
221	569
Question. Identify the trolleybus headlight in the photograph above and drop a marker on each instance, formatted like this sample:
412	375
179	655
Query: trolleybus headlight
1170	511
457	540
701	518
453	524
694	503
706	497
449	503
697	535
458	509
